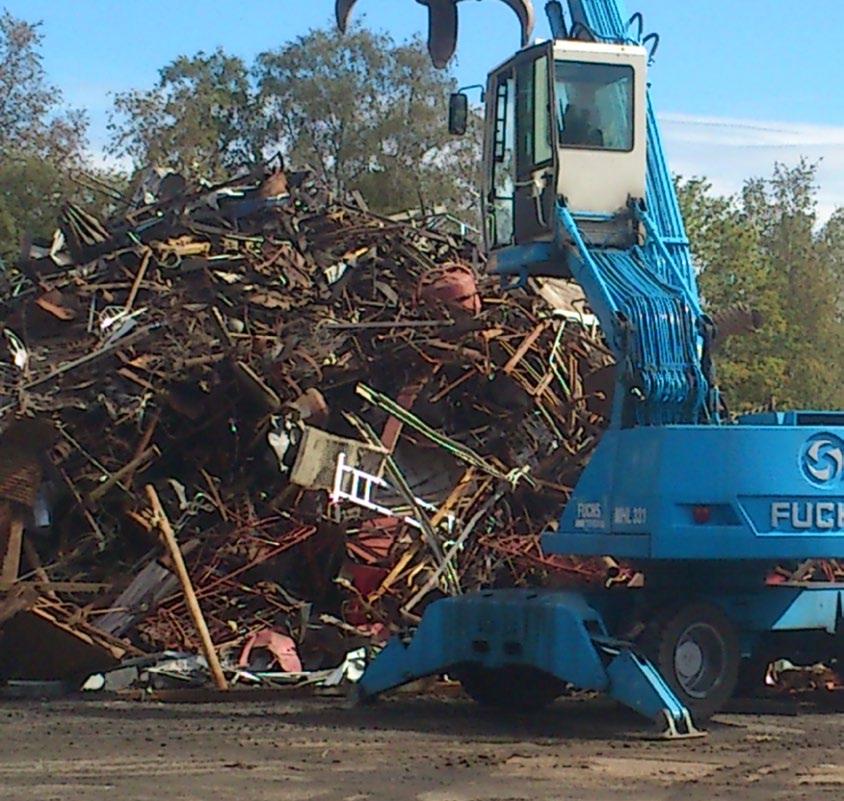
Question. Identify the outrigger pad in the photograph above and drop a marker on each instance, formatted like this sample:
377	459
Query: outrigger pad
558	633
637	684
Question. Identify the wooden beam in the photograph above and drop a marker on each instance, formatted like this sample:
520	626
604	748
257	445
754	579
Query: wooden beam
11	541
190	595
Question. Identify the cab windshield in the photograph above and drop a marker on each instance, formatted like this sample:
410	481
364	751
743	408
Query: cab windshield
595	105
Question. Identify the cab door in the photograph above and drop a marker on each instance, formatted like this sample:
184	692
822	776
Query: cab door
536	150
520	150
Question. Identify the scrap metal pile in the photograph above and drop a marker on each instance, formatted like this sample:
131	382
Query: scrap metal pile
342	416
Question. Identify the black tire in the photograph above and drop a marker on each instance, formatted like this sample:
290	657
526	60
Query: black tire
696	649
512	689
751	677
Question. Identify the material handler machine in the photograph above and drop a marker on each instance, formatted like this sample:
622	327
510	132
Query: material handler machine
576	185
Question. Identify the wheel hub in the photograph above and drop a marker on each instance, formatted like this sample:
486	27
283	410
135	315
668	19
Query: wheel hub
700	659
689	659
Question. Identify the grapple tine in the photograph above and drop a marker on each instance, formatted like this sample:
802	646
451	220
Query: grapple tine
442	24
442	30
342	9
527	17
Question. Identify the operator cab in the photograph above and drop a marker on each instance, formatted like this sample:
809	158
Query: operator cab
565	120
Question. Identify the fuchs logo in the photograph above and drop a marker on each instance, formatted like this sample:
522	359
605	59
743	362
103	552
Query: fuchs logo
823	459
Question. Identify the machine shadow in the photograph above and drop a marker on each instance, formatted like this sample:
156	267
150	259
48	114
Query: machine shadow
567	719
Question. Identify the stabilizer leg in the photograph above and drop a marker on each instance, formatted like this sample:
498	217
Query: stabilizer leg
637	684
401	662
556	633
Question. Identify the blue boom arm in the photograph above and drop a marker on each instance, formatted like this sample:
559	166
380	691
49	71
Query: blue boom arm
644	294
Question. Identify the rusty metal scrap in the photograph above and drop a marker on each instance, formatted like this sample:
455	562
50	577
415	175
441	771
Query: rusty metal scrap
202	342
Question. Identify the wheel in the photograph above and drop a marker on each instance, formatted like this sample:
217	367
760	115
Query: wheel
512	689
751	676
696	649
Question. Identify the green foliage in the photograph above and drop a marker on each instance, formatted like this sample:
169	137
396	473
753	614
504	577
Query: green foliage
40	141
370	115
31	193
31	118
764	247
364	112
200	119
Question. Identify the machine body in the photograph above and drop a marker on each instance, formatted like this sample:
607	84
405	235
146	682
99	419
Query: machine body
577	186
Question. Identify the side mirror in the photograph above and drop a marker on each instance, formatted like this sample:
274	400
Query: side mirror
458	113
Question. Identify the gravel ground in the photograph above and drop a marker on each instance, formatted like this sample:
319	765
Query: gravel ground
427	748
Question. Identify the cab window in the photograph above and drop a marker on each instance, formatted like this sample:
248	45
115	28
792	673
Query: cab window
595	105
504	162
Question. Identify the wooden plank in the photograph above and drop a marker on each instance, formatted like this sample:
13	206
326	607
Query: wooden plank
526	345
136	284
11	542
190	595
51	587
100	491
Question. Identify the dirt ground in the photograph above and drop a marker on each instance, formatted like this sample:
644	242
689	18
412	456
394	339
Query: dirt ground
430	749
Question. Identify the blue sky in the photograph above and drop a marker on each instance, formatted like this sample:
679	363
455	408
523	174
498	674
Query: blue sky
738	84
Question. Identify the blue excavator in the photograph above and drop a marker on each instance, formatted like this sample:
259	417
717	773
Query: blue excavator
576	186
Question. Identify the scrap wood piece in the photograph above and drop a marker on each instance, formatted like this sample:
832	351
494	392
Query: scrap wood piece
190	596
526	345
11	542
56	309
139	277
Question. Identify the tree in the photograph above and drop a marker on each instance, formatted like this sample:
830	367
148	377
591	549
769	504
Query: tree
751	369
40	141
199	119
368	115
783	208
364	113
764	247
31	194
832	239
31	119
